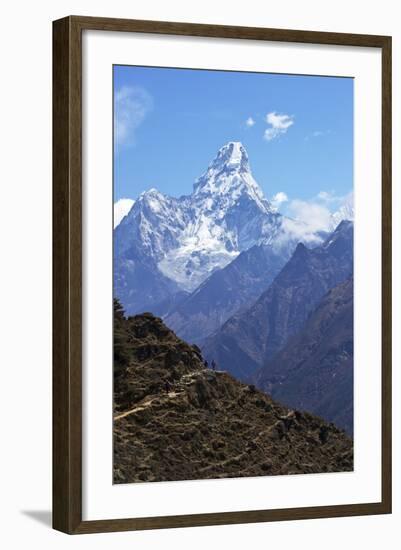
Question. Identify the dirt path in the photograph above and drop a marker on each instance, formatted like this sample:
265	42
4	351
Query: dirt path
185	380
145	404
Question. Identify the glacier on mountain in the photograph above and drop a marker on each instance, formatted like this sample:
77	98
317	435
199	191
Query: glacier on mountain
187	239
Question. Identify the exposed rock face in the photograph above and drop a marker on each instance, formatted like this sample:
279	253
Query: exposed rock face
252	337
314	371
174	419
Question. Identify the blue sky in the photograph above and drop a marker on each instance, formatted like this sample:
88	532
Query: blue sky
169	124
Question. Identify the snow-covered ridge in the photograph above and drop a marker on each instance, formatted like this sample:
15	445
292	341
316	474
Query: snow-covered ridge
345	212
229	174
232	157
191	236
121	209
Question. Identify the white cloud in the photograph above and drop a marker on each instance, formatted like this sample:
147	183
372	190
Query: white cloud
296	230
250	122
331	199
325	195
316	134
278	199
278	125
305	219
316	217
121	209
131	105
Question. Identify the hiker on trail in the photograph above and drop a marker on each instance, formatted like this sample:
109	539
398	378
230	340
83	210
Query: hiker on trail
206	364
214	364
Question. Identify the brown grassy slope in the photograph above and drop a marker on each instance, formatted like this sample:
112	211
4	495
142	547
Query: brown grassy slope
176	420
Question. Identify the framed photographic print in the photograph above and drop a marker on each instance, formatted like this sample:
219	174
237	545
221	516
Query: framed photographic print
222	275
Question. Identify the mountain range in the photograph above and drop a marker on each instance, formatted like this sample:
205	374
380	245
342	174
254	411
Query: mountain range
172	245
262	295
314	370
226	292
252	337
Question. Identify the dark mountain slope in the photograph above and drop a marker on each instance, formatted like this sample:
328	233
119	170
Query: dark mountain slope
176	420
225	292
139	284
314	371
251	338
170	304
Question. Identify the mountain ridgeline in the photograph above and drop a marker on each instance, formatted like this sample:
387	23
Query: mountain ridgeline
174	419
314	370
226	292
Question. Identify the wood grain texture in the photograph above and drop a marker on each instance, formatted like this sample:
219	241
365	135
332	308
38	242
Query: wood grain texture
67	277
229	518
386	275
67	274
226	31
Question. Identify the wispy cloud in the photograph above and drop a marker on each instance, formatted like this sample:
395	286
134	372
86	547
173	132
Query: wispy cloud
296	230
316	217
131	105
278	125
330	198
306	218
250	122
326	196
317	134
121	209
278	199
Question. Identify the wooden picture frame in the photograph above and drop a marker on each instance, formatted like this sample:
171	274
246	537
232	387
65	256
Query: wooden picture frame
67	274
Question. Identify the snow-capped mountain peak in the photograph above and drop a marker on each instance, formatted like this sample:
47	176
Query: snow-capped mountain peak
152	195
152	202
231	157
189	237
229	175
345	212
150	192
